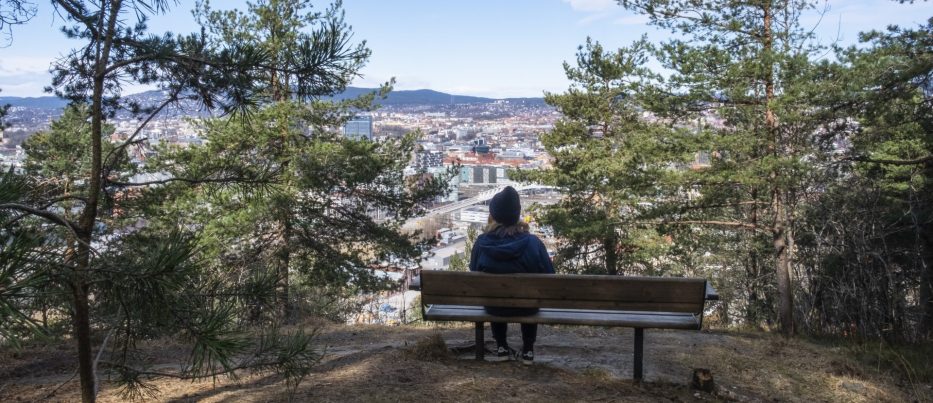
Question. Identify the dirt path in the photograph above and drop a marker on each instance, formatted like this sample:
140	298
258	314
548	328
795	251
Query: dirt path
373	363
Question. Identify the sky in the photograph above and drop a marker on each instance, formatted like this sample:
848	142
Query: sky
491	48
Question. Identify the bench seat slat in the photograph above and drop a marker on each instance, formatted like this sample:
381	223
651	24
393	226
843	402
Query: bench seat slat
656	320
573	311
562	303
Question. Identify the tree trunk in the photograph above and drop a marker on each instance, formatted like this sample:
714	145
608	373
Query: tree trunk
88	218
779	227
790	257
753	269
782	266
82	329
285	219
610	246
79	283
753	272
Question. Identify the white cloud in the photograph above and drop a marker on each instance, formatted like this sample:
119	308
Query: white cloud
591	6
21	65
24	76
23	89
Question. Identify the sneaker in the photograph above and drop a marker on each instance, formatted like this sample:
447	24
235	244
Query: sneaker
528	357
503	354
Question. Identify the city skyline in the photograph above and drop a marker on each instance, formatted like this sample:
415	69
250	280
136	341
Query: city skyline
486	48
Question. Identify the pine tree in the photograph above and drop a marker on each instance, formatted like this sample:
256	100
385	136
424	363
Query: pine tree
609	161
297	128
740	74
898	130
332	190
878	101
136	284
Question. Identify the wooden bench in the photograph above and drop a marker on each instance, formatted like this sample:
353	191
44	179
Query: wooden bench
637	302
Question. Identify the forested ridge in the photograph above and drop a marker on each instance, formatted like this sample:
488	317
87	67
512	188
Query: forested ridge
794	175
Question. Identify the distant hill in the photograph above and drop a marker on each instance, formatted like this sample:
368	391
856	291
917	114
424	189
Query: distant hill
416	97
431	97
35	102
401	97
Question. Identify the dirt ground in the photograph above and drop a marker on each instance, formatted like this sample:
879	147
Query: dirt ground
378	363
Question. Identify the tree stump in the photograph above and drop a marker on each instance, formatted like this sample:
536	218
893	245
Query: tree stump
703	380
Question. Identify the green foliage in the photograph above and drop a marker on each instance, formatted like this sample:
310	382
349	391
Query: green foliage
337	303
743	80
60	160
317	199
868	240
293	36
611	164
147	258
761	153
461	261
306	206
22	277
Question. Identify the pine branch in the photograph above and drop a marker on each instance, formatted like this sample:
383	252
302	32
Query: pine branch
131	140
917	161
51	202
192	181
736	204
48	215
671	15
76	11
184	376
732	224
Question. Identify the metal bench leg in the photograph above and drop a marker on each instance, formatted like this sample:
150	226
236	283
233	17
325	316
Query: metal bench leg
639	344
480	344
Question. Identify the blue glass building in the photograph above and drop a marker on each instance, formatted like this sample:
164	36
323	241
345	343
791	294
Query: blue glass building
360	127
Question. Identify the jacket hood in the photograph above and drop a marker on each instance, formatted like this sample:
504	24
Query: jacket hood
505	248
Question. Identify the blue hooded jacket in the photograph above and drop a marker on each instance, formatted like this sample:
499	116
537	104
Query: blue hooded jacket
522	253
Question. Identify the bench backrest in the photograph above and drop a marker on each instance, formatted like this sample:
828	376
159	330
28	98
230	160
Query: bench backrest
659	294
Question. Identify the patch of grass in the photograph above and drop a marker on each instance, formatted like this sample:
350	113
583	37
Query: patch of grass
597	374
910	362
905	361
431	348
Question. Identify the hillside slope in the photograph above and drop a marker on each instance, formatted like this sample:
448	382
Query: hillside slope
375	363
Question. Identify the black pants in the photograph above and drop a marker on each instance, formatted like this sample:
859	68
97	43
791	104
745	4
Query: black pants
529	331
529	334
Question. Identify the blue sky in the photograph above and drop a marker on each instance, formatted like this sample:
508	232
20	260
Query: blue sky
495	48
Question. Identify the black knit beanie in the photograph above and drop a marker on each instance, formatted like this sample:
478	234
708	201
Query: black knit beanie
505	207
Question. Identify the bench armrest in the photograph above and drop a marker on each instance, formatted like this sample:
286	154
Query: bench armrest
711	294
415	284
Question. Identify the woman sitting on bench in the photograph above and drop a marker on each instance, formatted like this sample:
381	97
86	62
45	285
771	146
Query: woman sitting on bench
506	247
